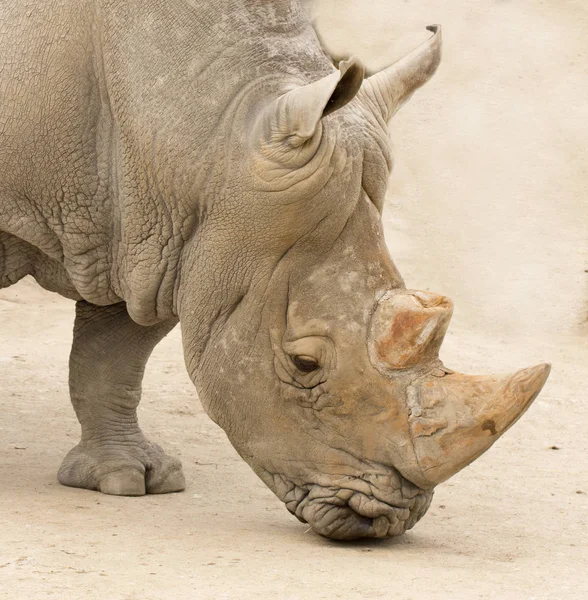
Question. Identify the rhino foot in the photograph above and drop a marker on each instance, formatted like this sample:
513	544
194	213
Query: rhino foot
122	469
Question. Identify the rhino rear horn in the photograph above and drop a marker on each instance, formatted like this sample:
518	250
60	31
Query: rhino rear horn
408	328
293	119
391	88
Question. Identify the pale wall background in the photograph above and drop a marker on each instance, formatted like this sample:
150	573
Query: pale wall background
487	202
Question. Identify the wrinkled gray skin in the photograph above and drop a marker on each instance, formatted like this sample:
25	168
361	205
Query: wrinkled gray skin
149	172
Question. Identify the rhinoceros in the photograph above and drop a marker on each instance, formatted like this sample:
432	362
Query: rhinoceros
206	163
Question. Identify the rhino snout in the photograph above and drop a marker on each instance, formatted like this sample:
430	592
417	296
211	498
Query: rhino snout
369	505
348	515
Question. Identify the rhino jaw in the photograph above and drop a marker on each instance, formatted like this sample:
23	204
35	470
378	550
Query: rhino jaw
454	418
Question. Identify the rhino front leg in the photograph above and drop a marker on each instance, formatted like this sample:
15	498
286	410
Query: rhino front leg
107	363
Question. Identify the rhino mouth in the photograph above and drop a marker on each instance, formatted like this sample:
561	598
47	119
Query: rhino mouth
370	506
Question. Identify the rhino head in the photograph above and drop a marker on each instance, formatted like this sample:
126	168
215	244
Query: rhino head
322	368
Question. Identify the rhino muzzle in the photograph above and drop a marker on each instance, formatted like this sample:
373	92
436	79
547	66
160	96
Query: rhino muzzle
452	418
379	503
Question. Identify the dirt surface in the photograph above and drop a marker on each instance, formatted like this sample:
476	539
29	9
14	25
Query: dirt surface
487	205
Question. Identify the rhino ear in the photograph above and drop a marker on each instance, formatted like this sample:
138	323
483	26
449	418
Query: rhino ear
391	88
295	116
351	74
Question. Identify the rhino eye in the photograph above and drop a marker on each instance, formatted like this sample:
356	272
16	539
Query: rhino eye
306	364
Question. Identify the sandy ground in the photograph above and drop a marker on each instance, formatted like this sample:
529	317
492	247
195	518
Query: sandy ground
487	204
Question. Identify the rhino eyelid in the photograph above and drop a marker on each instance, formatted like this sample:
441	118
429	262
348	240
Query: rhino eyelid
305	363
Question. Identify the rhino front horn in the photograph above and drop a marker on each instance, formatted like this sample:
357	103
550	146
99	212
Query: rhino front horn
454	418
